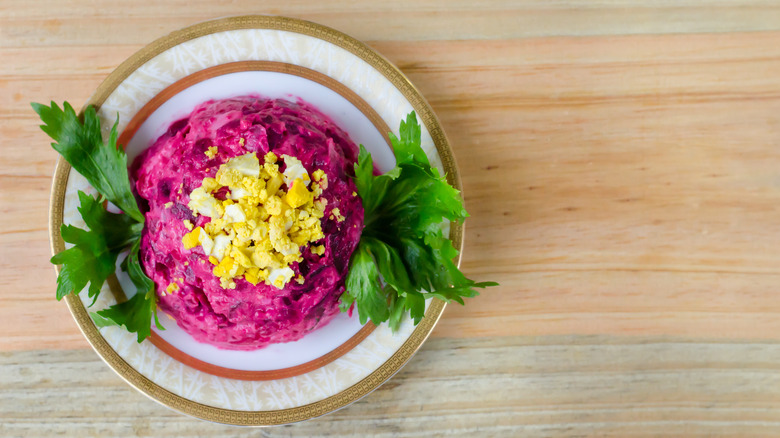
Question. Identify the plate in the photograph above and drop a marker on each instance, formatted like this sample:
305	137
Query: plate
273	57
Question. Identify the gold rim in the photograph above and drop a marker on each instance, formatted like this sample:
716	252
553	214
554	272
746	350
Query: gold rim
334	402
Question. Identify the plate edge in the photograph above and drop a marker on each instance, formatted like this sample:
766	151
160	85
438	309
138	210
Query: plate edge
365	385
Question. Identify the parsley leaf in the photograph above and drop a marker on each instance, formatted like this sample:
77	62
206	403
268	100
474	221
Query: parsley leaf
93	257
407	148
137	312
403	256
363	280
81	144
372	189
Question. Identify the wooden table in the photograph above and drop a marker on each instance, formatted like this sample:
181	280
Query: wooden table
621	163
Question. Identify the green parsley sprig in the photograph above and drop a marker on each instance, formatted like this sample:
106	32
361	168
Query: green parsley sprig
92	259
403	257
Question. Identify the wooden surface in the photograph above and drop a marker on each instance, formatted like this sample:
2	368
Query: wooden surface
621	165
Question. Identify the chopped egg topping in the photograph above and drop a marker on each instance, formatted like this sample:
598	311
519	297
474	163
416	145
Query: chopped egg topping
259	230
211	151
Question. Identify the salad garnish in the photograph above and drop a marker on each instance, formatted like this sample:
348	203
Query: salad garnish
93	256
403	257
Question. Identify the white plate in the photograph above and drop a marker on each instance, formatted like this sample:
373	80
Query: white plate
273	57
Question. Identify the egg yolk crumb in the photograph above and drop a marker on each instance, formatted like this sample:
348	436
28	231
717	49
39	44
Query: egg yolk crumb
211	152
266	220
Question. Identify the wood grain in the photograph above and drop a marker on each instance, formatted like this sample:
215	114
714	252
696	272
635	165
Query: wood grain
496	387
620	165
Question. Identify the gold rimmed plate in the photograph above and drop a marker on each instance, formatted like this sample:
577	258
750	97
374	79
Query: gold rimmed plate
273	57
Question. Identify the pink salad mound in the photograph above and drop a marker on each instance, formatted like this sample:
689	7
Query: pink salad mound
244	315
